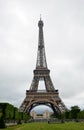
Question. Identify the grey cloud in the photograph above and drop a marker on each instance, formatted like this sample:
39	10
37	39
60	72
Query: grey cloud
64	45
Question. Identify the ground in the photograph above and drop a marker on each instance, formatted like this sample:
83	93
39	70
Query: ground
46	126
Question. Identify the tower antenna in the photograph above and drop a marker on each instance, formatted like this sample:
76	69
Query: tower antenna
40	16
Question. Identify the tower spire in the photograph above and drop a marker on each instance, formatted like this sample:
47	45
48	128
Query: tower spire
40	16
41	57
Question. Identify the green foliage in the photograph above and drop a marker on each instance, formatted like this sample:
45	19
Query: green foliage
2	108
11	113
81	115
20	115
7	110
67	114
74	111
25	116
2	122
16	114
0	114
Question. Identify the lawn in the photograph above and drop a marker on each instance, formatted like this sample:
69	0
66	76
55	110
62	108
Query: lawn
46	126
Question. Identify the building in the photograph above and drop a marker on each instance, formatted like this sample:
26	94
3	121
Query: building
45	115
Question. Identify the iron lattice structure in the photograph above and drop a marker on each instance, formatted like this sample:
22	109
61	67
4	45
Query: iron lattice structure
50	97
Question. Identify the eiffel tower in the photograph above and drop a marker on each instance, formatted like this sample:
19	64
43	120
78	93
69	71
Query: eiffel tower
49	97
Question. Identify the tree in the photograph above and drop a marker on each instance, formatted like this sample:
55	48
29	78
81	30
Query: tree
74	112
81	114
10	113
67	114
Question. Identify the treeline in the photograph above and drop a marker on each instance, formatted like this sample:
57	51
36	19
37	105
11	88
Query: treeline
74	113
9	112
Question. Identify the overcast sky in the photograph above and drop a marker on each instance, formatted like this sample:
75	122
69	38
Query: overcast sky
64	45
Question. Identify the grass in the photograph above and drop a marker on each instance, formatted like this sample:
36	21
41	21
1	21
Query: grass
46	126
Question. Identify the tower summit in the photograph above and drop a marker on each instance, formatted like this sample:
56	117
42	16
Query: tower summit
51	96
